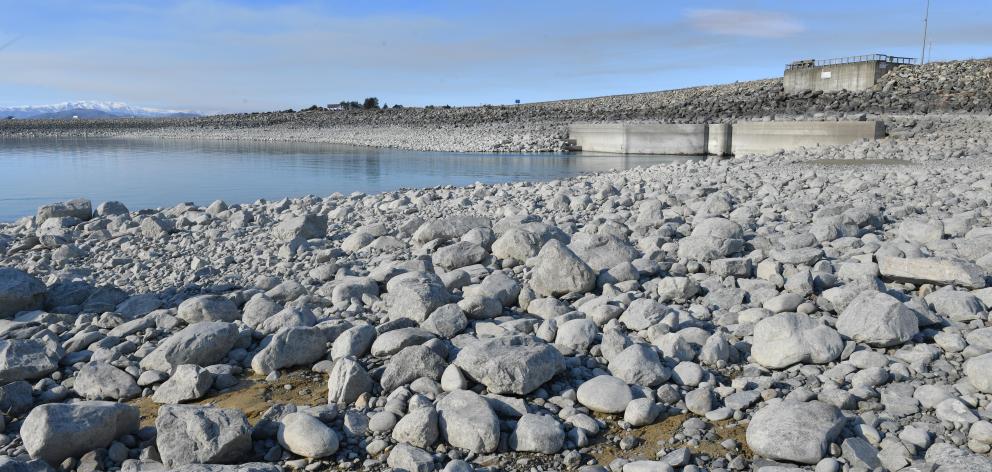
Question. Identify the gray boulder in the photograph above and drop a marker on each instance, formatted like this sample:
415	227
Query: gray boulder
188	382
208	308
452	227
56	431
446	321
415	295
979	372
537	433
418	428
19	291
306	436
79	208
458	255
794	431
934	270
205	343
789	338
405	457
602	251
510	364
100	381
605	394
347	381
391	342
411	363
558	271
27	359
304	227
188	434
950	458
639	365
517	244
355	342
877	319
466	421
290	347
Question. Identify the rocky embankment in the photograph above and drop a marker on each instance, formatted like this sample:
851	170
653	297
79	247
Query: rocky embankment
769	313
958	87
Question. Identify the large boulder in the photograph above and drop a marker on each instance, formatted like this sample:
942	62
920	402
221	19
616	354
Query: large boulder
100	380
558	271
27	359
19	291
307	226
934	270
418	428
639	365
979	372
458	255
602	251
347	381
510	364
205	343
794	431
409	364
605	394
467	421
290	347
190	434
79	208
208	308
451	227
712	238
415	295
537	433
188	382
57	431
306	436
878	320
517	244
789	338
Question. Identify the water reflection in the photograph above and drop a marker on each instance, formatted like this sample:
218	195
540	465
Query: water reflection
156	173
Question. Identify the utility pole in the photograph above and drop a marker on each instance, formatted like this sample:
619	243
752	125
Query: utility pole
926	19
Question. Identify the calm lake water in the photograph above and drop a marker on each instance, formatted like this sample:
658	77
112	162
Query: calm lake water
161	173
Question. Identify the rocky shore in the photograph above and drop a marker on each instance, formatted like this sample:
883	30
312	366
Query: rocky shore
945	87
775	313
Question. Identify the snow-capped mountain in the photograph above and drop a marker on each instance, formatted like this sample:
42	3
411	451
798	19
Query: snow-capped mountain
88	109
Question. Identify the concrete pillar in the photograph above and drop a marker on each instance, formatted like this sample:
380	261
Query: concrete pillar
718	139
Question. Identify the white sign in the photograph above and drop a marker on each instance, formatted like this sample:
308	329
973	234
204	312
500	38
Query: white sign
825	74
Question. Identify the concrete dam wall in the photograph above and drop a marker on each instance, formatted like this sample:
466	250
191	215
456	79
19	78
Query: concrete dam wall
718	139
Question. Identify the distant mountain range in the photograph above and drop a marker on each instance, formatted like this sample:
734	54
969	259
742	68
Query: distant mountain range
88	110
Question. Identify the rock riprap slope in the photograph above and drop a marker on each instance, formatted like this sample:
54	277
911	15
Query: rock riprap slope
834	316
943	87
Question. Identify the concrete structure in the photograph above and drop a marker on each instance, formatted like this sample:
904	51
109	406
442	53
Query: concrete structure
764	137
718	139
854	73
640	138
758	137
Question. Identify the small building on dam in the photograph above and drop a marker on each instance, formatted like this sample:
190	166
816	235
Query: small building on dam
854	73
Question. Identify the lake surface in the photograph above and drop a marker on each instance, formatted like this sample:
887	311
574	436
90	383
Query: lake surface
161	173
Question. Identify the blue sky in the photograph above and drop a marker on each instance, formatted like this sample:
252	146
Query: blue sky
230	55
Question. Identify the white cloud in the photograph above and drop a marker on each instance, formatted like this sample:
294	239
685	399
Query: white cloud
753	24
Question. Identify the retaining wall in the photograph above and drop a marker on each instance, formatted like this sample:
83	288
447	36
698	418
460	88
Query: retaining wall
640	138
770	136
759	137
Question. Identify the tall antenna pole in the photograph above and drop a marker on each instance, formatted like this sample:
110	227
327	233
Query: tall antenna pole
926	18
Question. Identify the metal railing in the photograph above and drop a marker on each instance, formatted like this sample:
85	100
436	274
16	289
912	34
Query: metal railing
849	59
